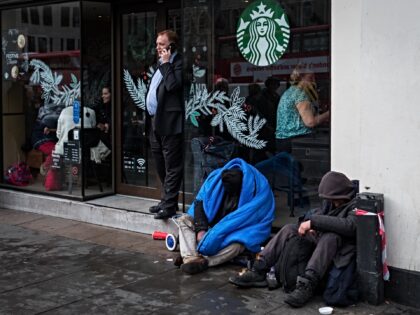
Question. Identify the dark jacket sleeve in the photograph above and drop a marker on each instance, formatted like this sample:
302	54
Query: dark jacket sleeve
342	226
172	74
201	222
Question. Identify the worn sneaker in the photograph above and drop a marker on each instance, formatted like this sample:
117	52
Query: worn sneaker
302	294
249	278
195	266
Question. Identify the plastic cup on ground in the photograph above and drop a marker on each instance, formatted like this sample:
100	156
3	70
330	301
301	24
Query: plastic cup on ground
326	310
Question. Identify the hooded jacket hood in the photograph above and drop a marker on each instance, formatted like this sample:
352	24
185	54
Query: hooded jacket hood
335	185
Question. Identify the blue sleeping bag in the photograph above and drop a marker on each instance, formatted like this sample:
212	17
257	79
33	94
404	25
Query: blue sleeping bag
250	223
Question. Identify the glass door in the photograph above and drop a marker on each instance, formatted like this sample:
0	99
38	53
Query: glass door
136	36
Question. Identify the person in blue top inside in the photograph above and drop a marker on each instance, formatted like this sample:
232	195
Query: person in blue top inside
296	113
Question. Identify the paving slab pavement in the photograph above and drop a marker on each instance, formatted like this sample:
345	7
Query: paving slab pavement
57	266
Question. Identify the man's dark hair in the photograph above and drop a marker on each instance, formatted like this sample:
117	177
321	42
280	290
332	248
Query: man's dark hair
172	36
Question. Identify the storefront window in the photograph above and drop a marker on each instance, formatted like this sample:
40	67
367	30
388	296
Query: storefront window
236	79
44	103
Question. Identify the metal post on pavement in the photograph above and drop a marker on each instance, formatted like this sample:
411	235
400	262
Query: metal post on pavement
369	247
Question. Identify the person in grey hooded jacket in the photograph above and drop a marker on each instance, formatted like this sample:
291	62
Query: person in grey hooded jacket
332	230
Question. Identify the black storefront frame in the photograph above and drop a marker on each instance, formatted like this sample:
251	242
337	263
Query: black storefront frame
112	54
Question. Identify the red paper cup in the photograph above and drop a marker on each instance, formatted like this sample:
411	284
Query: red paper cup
158	235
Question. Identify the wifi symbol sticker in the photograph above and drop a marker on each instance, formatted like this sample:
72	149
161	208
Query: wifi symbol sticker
141	162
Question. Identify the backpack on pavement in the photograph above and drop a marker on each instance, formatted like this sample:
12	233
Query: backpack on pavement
292	262
341	287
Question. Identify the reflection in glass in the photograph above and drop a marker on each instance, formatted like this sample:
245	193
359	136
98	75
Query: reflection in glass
47	15
65	16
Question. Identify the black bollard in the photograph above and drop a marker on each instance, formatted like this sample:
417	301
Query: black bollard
369	249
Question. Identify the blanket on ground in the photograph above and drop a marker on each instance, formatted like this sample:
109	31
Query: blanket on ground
250	223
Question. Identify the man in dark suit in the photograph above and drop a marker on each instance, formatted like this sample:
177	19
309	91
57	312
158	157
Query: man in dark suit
164	102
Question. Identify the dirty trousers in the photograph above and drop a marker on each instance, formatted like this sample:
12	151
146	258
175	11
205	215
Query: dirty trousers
188	244
327	245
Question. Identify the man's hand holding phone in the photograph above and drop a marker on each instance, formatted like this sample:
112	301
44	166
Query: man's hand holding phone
172	47
166	53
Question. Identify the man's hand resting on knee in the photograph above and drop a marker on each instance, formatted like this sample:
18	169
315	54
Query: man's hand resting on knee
305	227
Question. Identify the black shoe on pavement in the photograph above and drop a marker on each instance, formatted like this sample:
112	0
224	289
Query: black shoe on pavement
164	214
178	261
195	266
249	279
254	276
302	294
154	209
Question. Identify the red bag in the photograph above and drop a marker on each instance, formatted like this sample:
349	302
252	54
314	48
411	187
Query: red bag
19	174
53	180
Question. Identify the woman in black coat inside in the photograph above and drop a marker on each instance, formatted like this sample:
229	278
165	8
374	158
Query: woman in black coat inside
103	113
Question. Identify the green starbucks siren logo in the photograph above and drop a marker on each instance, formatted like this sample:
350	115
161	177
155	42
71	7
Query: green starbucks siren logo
263	33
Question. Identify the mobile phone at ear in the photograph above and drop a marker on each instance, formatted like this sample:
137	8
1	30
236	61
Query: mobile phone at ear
171	47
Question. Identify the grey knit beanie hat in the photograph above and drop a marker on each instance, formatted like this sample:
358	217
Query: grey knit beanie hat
335	185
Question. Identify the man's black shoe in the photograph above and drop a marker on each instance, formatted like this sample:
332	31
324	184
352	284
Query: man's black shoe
302	294
154	209
178	261
249	279
164	214
254	276
195	266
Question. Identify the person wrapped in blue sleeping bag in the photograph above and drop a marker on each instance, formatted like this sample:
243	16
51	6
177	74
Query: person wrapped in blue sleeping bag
233	211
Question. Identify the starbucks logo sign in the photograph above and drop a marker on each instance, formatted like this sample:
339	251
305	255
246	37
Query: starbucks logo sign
263	33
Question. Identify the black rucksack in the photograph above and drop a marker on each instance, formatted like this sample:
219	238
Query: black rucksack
292	262
341	287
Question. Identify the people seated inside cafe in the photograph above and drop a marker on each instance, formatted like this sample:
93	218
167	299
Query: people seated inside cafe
232	212
43	137
103	111
94	148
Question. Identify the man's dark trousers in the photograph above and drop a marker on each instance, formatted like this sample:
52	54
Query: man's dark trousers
327	245
168	154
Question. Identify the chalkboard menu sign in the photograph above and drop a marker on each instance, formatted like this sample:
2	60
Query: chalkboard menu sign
72	152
